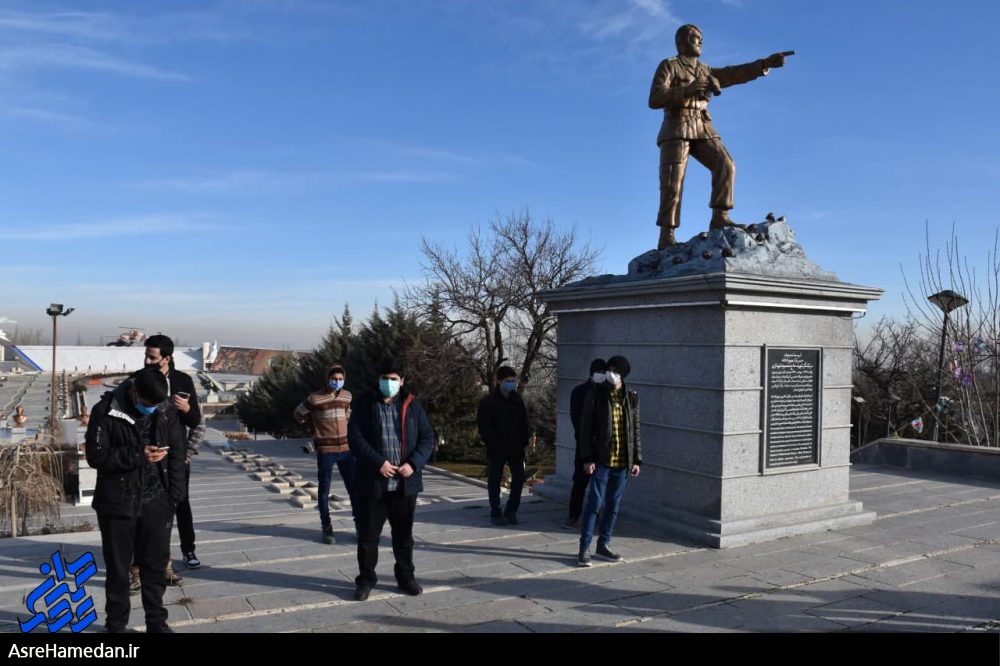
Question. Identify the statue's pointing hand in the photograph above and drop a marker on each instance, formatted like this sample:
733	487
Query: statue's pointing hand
777	59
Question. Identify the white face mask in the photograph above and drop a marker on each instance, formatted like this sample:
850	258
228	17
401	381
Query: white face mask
614	378
598	377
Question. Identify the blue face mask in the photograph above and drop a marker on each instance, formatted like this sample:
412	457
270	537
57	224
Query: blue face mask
336	384
509	385
143	409
388	387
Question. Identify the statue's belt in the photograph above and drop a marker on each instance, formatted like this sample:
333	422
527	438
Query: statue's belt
697	113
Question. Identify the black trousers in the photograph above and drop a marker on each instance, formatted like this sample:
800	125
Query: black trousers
579	490
185	521
494	475
146	541
372	514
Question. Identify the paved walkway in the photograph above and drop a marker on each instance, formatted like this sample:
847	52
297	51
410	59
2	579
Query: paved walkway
927	564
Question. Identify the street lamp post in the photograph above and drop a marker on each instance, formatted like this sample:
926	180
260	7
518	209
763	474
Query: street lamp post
55	310
947	300
860	402
891	401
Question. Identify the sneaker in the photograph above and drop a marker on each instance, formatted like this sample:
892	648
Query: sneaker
361	593
571	524
584	559
172	578
497	519
191	560
511	518
328	537
608	554
134	581
411	588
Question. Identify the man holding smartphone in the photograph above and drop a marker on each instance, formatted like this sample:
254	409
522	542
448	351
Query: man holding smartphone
180	388
135	441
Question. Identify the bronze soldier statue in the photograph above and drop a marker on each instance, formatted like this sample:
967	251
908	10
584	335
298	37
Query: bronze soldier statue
682	87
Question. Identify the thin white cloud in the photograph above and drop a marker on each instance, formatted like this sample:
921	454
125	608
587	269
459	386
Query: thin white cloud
254	182
403	150
79	25
43	115
67	56
405	176
572	36
142	225
7	320
137	28
635	20
316	7
436	154
240	181
516	160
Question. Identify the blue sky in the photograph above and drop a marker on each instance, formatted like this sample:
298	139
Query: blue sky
239	169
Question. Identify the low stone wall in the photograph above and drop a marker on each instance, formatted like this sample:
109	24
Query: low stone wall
918	455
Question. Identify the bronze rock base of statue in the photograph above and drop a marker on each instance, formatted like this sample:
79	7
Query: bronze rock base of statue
720	220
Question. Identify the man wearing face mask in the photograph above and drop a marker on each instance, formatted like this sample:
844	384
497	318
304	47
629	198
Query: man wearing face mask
580	477
136	442
611	450
329	411
503	426
182	394
392	439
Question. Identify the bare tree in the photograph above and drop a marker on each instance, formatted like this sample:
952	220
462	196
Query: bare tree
893	376
969	381
486	293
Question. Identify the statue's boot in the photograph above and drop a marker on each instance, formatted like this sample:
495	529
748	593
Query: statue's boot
720	220
667	238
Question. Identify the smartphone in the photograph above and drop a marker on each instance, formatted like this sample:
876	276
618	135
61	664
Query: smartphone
186	396
162	448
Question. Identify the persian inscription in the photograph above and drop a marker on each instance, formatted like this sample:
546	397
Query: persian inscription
792	411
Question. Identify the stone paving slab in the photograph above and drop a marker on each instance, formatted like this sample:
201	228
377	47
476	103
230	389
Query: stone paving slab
508	627
912	573
451	618
577	619
854	611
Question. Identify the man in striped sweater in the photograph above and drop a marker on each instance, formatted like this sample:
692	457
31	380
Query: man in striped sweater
329	411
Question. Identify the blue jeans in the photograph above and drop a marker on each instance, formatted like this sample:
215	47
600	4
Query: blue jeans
606	489
324	466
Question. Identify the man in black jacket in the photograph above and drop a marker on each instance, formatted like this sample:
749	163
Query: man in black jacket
392	439
180	389
611	449
503	427
135	441
580	477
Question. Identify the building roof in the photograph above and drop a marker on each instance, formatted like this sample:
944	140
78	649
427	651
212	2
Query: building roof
85	359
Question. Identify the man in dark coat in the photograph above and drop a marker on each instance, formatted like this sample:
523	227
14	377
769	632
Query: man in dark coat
392	439
183	396
503	426
611	450
580	477
136	442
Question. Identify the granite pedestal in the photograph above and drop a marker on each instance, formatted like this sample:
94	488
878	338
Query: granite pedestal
727	458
